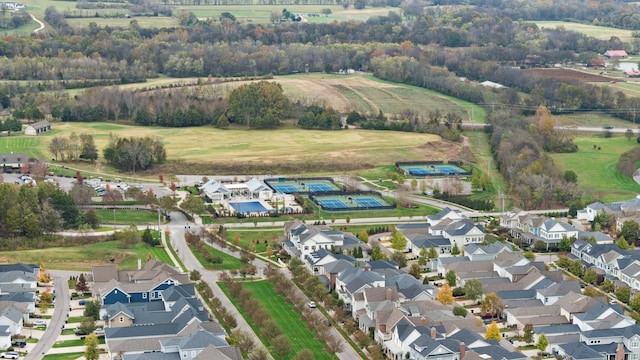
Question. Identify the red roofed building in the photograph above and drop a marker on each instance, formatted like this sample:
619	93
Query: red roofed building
616	54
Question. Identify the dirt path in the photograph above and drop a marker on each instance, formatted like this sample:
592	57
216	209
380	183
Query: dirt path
39	22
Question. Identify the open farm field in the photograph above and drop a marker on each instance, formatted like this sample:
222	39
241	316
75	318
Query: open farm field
143	21
262	13
598	32
596	169
204	144
82	258
593	119
570	75
359	92
22	144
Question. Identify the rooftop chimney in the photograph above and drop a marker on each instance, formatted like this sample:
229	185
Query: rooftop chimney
620	352
463	350
423	321
139	264
434	334
389	294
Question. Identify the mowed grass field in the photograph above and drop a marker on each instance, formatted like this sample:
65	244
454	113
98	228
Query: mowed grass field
598	32
82	258
300	337
596	169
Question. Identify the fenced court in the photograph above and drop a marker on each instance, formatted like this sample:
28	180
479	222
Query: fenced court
302	185
434	168
350	201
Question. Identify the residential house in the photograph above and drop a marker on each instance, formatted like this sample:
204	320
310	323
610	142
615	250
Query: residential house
350	283
553	293
143	285
13	162
37	128
195	346
133	328
301	240
602	316
12	318
5	337
477	252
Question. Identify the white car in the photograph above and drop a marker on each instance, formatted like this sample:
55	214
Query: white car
40	322
9	355
312	304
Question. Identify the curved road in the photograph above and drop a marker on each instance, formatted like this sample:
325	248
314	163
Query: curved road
60	312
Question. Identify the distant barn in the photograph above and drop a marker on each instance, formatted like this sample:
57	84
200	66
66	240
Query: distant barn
37	128
617	54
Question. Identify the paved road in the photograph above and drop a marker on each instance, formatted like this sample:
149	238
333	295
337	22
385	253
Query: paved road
59	315
177	228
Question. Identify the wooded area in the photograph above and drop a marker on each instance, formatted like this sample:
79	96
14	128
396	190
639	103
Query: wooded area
431	47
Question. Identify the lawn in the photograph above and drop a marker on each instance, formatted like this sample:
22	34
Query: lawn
228	262
69	356
259	236
82	258
596	169
285	317
127	216
22	144
74	342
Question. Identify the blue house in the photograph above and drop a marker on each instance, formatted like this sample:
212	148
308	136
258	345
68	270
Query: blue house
143	285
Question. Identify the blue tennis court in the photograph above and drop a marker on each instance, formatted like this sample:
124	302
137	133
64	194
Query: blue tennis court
333	204
316	187
303	186
433	170
368	202
285	188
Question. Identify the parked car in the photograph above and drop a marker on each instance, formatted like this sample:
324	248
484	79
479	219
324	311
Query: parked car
40	322
9	355
312	304
18	343
82	302
79	332
99	332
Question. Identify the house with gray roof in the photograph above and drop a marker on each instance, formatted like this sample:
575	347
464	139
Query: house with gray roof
37	128
142	285
134	328
12	318
197	345
477	252
602	316
302	240
13	161
215	191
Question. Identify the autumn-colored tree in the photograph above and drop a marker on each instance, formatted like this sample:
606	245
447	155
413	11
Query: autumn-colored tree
363	236
91	351
528	334
46	300
415	270
493	332
269	251
445	295
44	276
81	284
492	304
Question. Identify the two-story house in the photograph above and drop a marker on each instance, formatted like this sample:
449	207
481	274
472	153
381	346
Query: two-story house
143	285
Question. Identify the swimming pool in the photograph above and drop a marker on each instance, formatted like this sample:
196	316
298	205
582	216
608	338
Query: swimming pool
248	206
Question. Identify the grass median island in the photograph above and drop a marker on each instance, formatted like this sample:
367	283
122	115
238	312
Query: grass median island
300	337
249	236
226	261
